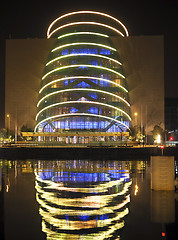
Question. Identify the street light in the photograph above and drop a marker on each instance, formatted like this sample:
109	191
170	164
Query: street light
8	116
135	114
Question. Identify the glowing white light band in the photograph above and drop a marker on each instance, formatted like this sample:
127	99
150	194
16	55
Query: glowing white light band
82	77
83	43
83	54
86	12
78	225
82	33
86	102
80	114
105	234
82	65
61	211
82	89
86	23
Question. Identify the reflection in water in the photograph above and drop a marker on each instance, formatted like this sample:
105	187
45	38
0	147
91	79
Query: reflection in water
163	206
82	199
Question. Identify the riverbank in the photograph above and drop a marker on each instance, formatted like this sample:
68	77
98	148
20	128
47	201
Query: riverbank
95	153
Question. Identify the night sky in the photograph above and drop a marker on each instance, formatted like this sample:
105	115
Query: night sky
30	19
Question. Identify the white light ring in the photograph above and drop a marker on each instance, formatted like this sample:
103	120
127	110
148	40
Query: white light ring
92	12
83	54
83	43
83	33
81	190
82	65
85	102
80	77
80	114
86	23
82	89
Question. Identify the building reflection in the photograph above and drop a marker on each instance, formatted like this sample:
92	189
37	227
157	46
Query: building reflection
1	205
82	198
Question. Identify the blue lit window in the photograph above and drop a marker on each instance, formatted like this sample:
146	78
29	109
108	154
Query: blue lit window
94	81
105	51
103	217
64	52
93	62
93	95
73	110
82	67
83	50
93	110
65	82
72	80
74	51
83	85
104	83
84	217
94	51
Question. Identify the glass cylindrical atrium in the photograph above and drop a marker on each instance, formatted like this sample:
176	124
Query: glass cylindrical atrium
84	87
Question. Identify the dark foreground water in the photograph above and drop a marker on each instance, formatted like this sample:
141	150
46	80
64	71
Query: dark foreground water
83	199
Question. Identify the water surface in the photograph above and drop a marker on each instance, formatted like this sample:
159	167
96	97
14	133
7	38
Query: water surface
83	199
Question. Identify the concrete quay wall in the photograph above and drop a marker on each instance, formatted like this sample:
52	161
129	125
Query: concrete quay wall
95	153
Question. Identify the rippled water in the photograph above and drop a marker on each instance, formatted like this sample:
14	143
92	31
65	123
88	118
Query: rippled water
83	199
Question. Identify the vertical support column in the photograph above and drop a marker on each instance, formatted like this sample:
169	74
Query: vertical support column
163	186
163	206
162	173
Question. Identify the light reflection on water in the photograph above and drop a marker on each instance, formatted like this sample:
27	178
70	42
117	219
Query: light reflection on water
82	199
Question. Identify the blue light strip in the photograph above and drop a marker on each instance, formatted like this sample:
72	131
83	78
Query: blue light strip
83	43
80	114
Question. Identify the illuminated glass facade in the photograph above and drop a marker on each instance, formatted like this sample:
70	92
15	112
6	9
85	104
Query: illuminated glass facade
84	87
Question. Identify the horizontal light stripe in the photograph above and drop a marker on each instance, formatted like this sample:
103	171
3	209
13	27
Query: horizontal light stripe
86	23
81	65
83	33
85	102
87	12
83	54
80	77
83	43
80	114
82	89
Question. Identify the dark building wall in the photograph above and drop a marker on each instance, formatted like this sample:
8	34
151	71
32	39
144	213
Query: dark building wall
143	62
2	83
25	60
171	114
